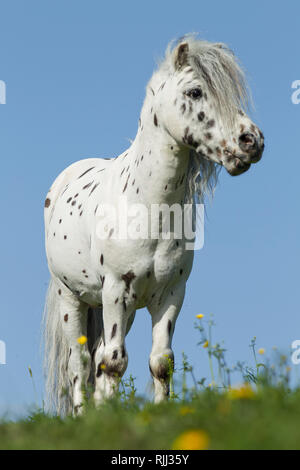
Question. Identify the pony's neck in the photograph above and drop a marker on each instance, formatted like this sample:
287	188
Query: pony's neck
159	166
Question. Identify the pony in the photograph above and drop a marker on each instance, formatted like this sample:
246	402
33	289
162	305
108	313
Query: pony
193	121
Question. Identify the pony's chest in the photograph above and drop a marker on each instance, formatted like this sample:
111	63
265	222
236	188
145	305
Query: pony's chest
159	259
171	261
169	265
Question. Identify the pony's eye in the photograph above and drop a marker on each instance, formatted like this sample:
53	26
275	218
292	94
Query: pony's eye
195	93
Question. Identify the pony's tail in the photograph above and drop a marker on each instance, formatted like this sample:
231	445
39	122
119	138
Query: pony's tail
56	355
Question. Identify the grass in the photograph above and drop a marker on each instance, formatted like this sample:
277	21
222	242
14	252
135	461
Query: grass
262	413
270	420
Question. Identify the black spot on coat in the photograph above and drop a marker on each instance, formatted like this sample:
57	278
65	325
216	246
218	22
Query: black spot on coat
113	331
128	278
86	172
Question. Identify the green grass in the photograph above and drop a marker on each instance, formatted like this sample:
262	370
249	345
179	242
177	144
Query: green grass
269	420
264	414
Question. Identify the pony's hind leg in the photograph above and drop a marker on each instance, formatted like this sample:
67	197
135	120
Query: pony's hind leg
161	361
73	315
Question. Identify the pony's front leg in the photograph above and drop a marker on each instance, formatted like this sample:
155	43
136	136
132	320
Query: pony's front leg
74	323
111	357
163	324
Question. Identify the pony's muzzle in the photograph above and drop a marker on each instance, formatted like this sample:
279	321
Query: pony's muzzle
252	147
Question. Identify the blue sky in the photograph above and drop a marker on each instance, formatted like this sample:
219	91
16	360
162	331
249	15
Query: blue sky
75	73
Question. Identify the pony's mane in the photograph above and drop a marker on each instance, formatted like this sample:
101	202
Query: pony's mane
217	65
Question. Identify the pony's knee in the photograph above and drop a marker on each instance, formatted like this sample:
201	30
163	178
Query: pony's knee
162	365
113	363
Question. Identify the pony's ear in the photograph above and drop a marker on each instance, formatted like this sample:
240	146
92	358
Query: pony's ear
181	55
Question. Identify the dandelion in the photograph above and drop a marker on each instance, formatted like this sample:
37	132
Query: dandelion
205	345
82	340
261	351
244	392
195	439
200	316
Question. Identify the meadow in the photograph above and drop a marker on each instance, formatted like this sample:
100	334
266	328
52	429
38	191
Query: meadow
262	412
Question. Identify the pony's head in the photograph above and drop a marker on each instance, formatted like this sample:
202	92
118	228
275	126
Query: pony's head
201	96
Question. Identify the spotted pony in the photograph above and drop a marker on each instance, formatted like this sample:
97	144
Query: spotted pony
193	122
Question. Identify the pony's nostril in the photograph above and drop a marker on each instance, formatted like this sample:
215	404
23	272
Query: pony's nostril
247	138
247	142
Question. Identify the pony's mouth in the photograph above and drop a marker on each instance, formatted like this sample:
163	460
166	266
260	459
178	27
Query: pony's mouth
235	164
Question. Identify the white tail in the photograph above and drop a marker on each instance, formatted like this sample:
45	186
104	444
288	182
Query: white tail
56	354
58	392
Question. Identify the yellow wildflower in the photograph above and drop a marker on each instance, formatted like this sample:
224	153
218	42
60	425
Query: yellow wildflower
261	351
196	439
244	392
200	315
205	345
82	340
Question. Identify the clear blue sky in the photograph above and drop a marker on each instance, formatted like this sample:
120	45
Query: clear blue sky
75	73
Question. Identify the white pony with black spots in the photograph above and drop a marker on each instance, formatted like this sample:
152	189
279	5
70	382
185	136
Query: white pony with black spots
193	121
